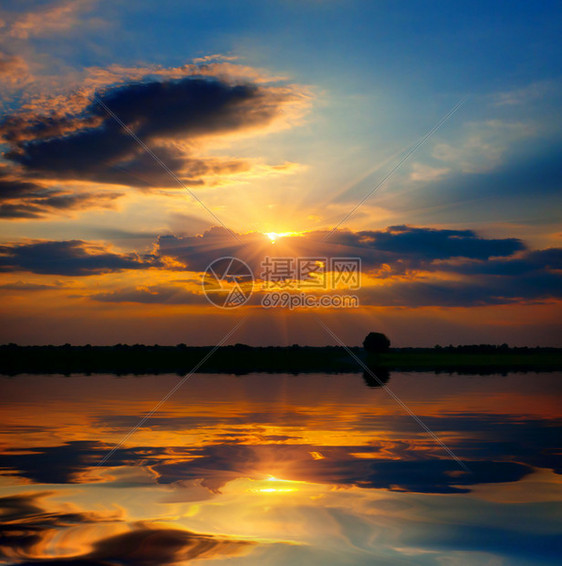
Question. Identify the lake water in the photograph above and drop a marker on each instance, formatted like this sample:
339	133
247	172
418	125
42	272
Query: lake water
281	470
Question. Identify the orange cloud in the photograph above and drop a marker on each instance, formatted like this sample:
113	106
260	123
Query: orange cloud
53	19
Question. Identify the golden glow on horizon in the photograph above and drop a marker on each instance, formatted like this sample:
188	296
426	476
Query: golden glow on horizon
274	236
268	488
276	489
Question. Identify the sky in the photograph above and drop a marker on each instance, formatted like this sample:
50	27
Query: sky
142	141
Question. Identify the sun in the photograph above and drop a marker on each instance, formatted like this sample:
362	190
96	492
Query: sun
274	236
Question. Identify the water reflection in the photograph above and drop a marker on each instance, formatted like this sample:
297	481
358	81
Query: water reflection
376	376
281	469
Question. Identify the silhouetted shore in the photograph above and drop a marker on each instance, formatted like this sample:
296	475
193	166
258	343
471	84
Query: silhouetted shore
240	359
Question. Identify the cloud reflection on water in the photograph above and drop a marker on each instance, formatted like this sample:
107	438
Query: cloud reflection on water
316	469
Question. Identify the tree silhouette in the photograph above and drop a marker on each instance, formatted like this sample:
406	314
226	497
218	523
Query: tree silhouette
376	343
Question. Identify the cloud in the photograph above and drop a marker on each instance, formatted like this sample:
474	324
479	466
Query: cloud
525	95
164	422
404	462
52	19
484	145
406	266
416	293
527	440
425	173
174	117
71	257
402	465
465	293
28	526
157	294
215	57
25	199
146	546
21	286
436	244
529	262
400	247
221	463
535	172
14	69
413	266
67	463
530	276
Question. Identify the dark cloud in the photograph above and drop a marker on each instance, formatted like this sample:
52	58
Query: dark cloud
491	436
19	211
20	198
143	172
501	270
92	145
532	261
72	257
193	105
436	244
67	463
27	524
196	252
15	188
57	464
485	271
218	464
532	171
437	476
490	271
530	441
147	546
400	247
496	448
18	129
490	290
65	562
